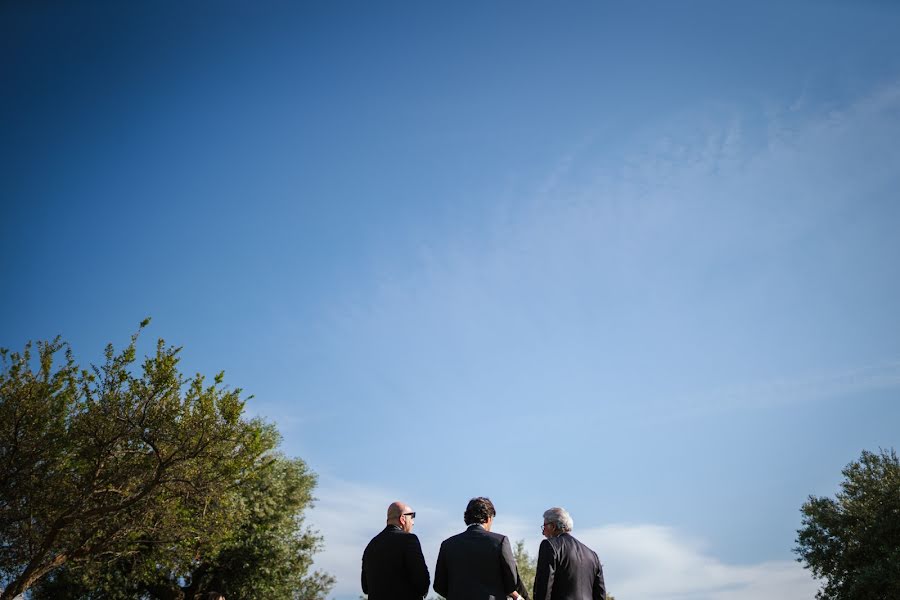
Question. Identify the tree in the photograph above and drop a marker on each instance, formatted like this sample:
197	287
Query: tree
267	554
115	477
852	542
526	564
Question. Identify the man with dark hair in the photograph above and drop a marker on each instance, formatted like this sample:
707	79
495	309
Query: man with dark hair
566	568
476	564
393	567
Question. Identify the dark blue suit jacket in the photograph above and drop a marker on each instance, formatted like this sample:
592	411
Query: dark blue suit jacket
475	565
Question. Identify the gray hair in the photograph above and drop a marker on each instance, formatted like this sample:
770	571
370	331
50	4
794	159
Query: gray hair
560	518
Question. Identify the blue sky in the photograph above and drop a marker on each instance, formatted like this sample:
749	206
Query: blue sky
636	260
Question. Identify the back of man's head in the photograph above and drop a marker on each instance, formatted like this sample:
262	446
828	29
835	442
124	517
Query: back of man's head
560	518
479	510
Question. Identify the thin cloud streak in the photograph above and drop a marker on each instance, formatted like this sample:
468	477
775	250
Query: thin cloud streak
808	388
648	249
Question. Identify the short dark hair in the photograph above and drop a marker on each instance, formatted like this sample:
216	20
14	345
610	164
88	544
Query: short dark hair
479	510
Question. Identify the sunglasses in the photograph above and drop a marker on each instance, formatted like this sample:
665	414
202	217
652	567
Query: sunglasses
412	514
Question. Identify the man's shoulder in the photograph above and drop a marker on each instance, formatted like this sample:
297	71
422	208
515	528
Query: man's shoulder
554	543
491	537
579	542
559	542
466	537
411	538
404	537
455	538
497	537
393	535
572	540
385	532
376	539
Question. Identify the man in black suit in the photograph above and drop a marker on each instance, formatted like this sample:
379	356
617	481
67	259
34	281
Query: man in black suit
476	564
393	567
566	568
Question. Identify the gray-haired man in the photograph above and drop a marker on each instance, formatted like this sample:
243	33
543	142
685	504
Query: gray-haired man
566	568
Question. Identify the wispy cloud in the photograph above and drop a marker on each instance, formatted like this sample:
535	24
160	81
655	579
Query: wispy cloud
810	387
645	561
690	236
654	562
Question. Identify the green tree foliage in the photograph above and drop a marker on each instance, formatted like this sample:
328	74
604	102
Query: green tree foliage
267	554
526	564
138	479
852	542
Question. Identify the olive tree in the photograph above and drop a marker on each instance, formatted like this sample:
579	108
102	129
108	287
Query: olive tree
267	553
122	465
852	541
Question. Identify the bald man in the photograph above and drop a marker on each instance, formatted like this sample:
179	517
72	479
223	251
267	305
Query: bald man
393	567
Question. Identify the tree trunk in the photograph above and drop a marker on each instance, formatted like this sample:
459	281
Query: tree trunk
29	577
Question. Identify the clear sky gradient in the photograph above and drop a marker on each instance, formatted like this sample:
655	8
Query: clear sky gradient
640	260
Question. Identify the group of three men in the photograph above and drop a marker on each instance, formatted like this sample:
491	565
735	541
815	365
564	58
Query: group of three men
478	563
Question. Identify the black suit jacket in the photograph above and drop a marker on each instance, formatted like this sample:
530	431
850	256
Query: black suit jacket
393	567
475	565
568	570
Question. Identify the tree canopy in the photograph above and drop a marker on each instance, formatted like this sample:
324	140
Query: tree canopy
852	542
143	482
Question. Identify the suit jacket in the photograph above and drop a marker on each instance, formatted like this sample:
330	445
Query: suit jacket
568	570
475	565
393	567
